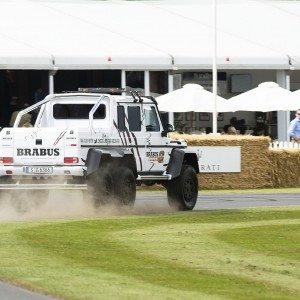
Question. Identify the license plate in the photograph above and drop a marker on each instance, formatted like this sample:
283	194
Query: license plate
38	170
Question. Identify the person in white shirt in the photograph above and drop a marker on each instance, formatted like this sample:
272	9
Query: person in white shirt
294	129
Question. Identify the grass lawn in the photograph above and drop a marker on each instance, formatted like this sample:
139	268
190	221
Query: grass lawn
240	254
253	191
229	191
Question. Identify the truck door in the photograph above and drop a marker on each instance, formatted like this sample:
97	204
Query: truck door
157	155
131	133
140	129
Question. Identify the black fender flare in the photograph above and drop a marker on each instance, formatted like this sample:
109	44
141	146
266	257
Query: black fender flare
120	156
178	157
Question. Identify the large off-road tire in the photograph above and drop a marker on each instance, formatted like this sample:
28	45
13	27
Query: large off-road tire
100	186
124	187
183	190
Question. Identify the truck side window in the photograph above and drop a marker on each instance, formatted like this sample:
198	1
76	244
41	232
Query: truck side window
121	118
134	118
77	111
151	120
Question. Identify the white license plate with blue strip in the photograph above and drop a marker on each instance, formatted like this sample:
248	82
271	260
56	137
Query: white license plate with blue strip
38	170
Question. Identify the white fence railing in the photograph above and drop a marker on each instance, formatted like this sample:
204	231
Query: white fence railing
284	145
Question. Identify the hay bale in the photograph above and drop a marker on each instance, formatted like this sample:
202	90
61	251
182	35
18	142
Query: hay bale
261	167
255	161
285	167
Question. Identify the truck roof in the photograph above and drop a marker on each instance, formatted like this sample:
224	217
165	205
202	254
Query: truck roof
116	98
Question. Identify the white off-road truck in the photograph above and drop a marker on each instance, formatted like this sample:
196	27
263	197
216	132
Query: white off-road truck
101	143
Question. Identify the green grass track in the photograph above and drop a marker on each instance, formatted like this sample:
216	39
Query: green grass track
240	254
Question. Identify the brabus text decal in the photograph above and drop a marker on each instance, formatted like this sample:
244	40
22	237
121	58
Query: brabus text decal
38	152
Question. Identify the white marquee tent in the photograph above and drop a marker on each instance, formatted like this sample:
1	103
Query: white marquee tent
161	35
150	35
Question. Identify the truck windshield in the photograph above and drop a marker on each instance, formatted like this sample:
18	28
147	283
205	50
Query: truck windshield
77	111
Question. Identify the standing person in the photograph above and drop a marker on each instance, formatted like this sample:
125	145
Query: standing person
38	95
234	122
294	129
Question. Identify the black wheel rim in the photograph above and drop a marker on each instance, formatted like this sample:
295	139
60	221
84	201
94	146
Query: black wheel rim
103	191
189	189
127	190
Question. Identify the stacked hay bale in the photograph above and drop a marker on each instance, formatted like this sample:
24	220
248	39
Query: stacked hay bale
286	167
256	166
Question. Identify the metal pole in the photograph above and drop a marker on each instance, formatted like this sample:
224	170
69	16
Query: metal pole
147	83
51	82
215	113
170	89
288	114
51	79
283	79
123	81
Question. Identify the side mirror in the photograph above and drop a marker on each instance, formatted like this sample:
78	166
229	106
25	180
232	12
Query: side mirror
169	128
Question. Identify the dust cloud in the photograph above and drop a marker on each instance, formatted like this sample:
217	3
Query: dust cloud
22	205
40	205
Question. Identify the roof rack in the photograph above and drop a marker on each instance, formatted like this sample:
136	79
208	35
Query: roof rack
152	99
134	94
102	90
137	97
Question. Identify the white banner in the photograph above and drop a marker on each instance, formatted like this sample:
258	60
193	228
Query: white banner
217	159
